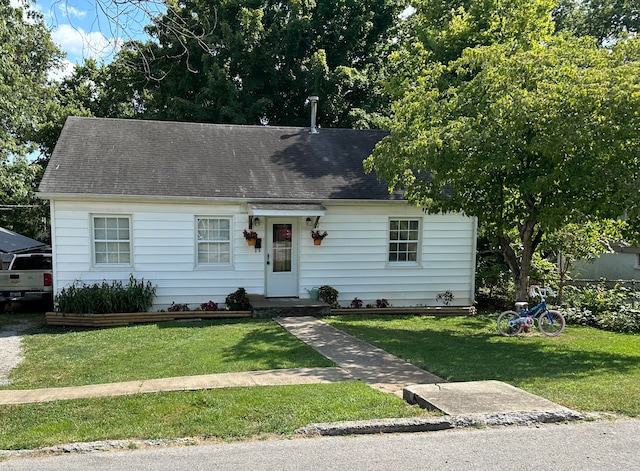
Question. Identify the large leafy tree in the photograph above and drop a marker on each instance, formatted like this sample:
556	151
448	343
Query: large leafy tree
27	54
257	61
524	139
601	19
438	31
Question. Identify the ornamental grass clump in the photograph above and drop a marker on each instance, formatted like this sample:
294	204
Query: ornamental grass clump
106	298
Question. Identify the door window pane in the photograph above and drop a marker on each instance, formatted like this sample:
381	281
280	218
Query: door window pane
282	245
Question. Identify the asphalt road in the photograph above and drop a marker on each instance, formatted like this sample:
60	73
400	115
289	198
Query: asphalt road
585	446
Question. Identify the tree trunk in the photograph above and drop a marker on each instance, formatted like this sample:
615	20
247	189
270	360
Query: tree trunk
521	269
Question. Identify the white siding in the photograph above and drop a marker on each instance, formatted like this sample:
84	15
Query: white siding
352	259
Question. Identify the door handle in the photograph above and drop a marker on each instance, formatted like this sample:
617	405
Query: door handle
268	259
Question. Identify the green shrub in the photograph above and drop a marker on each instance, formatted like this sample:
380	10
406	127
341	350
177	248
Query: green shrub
329	295
622	320
579	316
597	306
105	298
238	300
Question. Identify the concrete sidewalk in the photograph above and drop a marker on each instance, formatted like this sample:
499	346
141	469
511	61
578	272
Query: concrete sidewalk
181	383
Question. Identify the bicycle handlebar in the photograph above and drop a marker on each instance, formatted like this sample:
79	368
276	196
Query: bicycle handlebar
535	290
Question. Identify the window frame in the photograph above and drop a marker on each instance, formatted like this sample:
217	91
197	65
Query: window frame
95	241
417	241
228	241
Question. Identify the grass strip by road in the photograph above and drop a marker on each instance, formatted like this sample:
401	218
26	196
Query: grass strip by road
222	414
584	368
56	357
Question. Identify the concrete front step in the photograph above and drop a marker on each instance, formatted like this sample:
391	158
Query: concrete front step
287	307
484	398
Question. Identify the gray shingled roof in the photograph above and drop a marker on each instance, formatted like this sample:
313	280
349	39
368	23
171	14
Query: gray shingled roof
158	158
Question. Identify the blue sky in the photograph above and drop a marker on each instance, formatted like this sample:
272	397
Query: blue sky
93	28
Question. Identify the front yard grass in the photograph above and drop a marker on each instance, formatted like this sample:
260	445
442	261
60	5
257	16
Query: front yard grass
220	414
57	357
583	368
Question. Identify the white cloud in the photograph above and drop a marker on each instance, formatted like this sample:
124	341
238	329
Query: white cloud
79	43
65	70
69	11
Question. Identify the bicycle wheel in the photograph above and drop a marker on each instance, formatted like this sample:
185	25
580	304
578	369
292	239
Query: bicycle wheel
551	323
503	324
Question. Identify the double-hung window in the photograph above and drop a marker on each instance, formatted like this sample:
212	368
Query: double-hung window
112	240
404	240
214	241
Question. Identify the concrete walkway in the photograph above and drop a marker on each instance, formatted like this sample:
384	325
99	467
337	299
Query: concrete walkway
363	361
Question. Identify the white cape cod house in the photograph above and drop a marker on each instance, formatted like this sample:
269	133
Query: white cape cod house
168	202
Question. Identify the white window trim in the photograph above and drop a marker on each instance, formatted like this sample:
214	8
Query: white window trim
94	262
216	265
400	264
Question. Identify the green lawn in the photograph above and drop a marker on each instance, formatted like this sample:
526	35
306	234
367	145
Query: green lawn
583	368
586	369
224	414
61	357
58	357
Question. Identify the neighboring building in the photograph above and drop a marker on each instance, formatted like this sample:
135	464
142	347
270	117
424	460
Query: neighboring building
168	202
622	264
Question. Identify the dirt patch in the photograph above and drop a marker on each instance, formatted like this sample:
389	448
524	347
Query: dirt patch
10	349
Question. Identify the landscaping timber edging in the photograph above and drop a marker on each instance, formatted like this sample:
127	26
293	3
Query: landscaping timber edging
414	311
121	319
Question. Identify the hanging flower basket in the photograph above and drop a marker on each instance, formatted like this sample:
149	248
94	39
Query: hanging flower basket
317	237
250	236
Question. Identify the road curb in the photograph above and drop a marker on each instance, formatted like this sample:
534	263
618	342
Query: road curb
433	424
411	424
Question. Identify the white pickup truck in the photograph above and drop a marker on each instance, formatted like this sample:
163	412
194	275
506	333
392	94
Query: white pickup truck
29	278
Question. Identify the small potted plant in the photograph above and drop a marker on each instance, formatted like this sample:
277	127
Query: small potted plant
251	236
317	237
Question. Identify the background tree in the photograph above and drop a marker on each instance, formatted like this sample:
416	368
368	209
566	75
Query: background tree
525	140
262	59
27	54
601	19
438	31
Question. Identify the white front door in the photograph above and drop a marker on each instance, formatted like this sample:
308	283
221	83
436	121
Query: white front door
282	257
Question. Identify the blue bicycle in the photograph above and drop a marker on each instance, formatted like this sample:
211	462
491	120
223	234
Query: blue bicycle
550	322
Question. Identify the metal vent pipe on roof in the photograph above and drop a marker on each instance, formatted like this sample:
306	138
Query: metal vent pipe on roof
314	113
